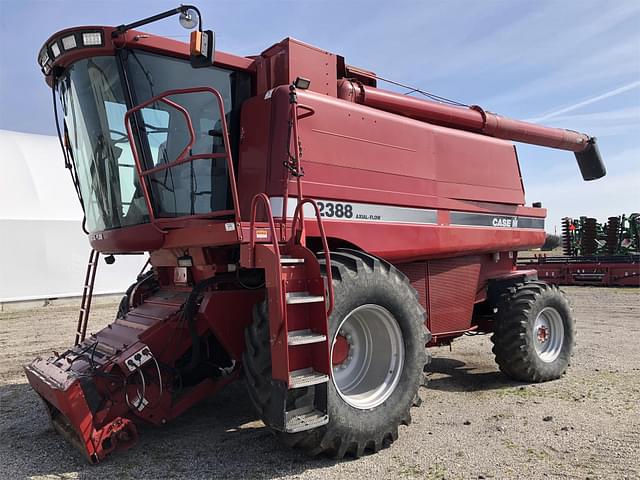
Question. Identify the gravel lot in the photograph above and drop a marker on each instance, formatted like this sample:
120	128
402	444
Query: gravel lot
474	423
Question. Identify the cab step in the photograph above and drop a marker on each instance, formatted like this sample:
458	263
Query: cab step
306	418
304	337
294	298
306	377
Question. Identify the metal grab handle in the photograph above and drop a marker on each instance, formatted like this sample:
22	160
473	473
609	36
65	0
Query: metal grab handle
192	135
325	246
254	203
185	156
309	111
252	241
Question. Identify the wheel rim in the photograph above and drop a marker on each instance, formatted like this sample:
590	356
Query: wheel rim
548	334
367	373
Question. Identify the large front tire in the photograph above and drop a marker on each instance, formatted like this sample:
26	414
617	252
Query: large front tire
534	333
376	307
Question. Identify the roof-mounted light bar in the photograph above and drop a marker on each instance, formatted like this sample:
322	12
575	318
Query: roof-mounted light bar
92	39
55	49
44	60
202	45
67	42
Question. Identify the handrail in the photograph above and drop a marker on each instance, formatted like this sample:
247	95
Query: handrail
185	156
310	110
276	247
294	116
181	161
325	246
272	225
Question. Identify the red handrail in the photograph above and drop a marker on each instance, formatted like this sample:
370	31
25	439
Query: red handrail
184	156
299	213
293	118
276	247
274	239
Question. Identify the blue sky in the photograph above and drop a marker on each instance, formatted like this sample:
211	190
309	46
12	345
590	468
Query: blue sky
570	63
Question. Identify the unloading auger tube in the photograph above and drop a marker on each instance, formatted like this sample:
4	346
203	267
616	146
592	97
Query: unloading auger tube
476	119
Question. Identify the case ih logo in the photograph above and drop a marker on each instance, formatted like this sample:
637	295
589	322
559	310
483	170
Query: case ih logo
505	222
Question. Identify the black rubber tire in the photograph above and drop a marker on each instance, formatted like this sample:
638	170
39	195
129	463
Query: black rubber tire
513	337
358	279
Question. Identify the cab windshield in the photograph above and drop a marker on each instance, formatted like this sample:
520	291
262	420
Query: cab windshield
95	97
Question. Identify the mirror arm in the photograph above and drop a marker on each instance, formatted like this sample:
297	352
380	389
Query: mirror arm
154	18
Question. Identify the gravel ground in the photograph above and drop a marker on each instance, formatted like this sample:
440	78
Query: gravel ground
474	422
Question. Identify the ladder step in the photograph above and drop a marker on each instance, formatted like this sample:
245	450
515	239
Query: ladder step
306	377
303	337
303	297
303	419
290	260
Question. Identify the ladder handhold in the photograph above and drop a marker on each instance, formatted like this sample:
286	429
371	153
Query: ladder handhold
306	377
303	297
304	337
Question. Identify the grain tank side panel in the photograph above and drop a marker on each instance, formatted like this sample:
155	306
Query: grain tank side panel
358	155
379	154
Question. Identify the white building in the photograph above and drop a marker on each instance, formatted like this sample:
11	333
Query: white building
43	250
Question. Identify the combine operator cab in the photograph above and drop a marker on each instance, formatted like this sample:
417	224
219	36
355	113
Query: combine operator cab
179	139
306	230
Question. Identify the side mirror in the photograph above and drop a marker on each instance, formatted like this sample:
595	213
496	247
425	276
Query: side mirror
202	48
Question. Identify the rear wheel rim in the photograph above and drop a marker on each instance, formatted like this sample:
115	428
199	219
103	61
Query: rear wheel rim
372	369
548	334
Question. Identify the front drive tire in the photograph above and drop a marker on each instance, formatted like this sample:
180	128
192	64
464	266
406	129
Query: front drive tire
374	301
534	333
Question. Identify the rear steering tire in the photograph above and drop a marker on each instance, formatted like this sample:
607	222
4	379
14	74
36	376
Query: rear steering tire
534	333
378	335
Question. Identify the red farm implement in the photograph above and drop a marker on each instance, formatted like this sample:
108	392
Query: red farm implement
605	255
308	232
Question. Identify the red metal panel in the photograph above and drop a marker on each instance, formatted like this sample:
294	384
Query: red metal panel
417	273
228	314
253	158
291	58
137	238
452	293
397	242
363	148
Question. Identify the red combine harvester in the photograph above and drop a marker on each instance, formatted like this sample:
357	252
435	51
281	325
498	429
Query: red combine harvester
307	231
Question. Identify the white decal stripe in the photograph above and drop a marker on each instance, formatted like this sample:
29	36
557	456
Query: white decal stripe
369	212
358	212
